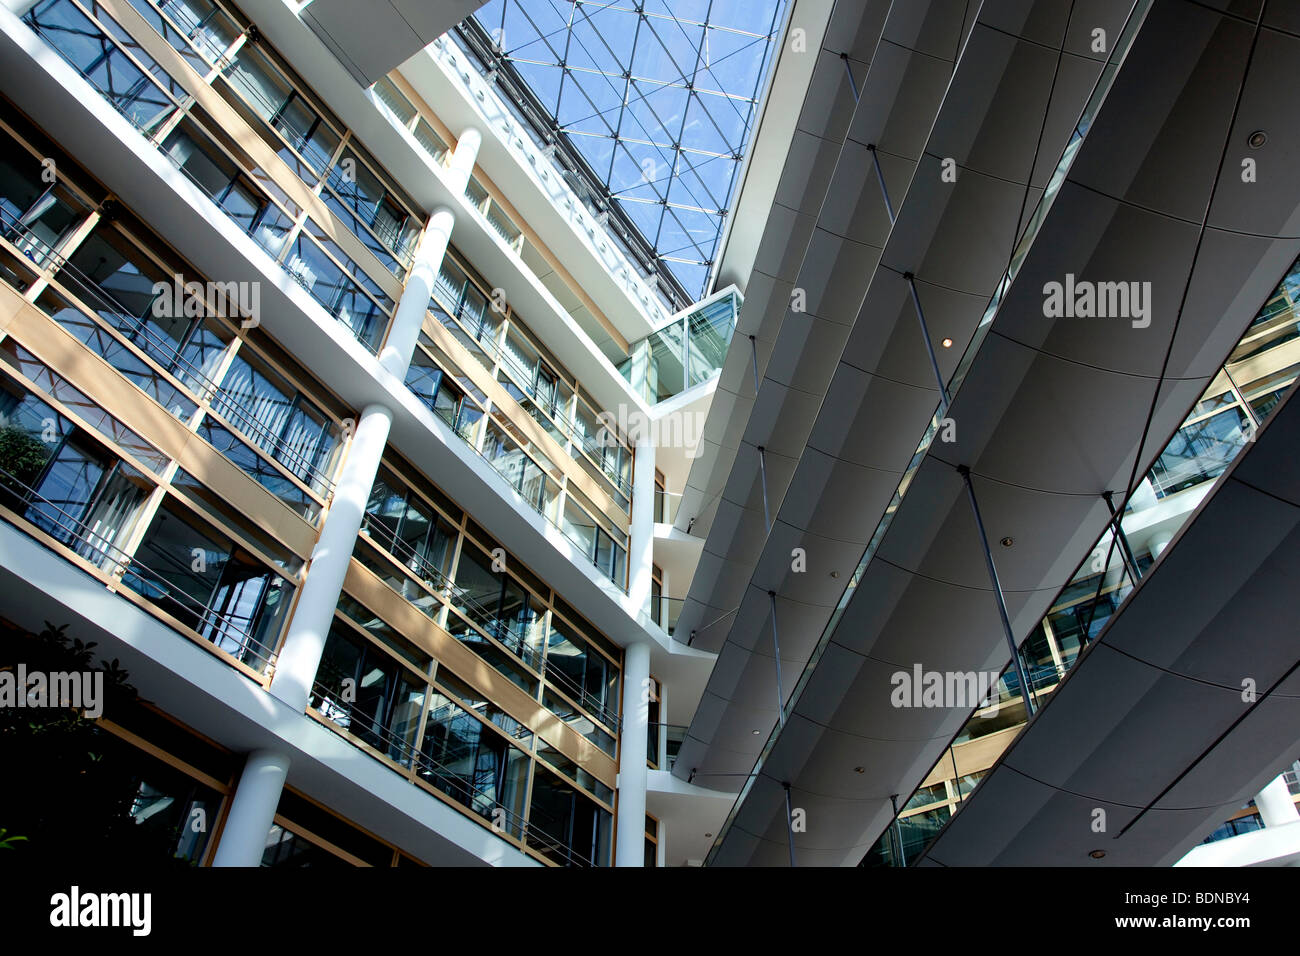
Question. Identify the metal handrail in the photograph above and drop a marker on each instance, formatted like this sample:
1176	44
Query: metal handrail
568	424
127	322
580	694
297	277
387	235
466	793
256	99
147	78
100	549
458	598
536	507
189	26
301	466
132	326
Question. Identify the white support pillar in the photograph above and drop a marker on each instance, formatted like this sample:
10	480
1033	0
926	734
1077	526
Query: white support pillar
661	742
1276	808
1159	541
641	533
409	317
665	607
460	164
295	668
1143	497
243	838
633	776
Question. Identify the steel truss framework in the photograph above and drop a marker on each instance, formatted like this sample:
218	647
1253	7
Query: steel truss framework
653	102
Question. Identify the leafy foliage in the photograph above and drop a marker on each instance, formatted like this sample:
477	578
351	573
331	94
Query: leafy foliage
62	796
22	455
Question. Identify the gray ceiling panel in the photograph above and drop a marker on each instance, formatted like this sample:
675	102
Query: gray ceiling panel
832	276
811	582
1169	629
832	93
858	212
972	238
876	421
809	164
933	29
816	343
1240	205
781	259
1159	730
374	38
862	494
1106	759
854	28
1140	253
988	133
1091	15
1234	276
1261	746
1280	16
1170	166
1026	393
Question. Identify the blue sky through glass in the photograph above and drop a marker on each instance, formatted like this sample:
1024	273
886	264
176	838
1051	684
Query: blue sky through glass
657	95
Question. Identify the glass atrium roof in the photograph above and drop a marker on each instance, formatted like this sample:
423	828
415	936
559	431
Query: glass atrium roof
658	97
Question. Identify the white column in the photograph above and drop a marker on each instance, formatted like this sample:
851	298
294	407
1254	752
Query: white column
661	744
639	370
641	533
460	164
632	772
409	317
1159	541
411	309
1144	496
295	668
243	838
1276	808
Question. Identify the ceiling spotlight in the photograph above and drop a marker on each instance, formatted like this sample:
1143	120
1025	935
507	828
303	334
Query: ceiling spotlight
859	769
754	732
708	836
835	574
1257	139
1008	541
1097	854
946	343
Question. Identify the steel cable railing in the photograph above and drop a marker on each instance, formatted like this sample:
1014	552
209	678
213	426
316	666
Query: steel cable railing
454	418
88	544
456	596
482	802
571	426
588	701
167	352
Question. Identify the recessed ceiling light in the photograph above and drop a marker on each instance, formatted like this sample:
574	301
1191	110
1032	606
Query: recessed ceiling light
859	769
1008	541
708	836
1257	139
1097	854
946	343
835	574
754	732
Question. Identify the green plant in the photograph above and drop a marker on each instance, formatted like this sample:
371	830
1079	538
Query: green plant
83	803
22	455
